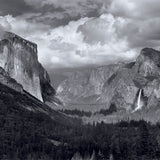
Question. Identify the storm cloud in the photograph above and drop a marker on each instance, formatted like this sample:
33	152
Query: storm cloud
79	33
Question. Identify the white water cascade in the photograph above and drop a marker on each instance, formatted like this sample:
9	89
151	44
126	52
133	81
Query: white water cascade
139	102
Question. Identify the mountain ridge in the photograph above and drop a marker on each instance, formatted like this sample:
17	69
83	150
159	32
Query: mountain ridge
120	86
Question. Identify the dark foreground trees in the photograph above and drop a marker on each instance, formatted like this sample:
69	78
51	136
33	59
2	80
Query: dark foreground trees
30	136
25	135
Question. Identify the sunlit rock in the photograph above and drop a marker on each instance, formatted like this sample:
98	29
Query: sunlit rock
18	57
131	86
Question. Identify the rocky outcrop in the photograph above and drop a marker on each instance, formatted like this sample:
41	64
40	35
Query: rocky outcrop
148	68
85	86
18	57
120	89
6	80
122	85
144	74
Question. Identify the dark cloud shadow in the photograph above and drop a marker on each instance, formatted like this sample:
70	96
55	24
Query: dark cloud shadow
14	7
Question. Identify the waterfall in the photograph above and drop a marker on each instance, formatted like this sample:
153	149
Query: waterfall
139	102
139	105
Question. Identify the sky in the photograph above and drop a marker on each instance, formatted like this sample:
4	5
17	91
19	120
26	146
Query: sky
83	33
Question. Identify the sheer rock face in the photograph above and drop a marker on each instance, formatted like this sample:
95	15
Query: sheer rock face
119	84
120	90
85	86
144	74
8	81
148	67
148	63
18	57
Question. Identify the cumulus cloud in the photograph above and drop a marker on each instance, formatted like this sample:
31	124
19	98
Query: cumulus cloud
74	45
102	29
106	31
102	40
89	41
21	26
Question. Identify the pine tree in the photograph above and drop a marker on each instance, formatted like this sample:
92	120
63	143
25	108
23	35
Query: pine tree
142	146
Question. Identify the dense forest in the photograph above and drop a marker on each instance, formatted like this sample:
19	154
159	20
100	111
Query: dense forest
81	113
28	135
76	112
109	111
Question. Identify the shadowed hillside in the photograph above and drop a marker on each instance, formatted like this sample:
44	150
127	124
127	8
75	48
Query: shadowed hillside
32	131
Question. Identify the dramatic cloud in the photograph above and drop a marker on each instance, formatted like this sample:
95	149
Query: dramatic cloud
14	7
80	33
123	8
20	26
74	8
95	41
71	45
142	9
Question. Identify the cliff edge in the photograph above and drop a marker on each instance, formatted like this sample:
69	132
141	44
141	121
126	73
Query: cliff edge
18	57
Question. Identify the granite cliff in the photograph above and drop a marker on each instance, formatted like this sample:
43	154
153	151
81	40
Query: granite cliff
18	57
130	86
85	86
6	80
